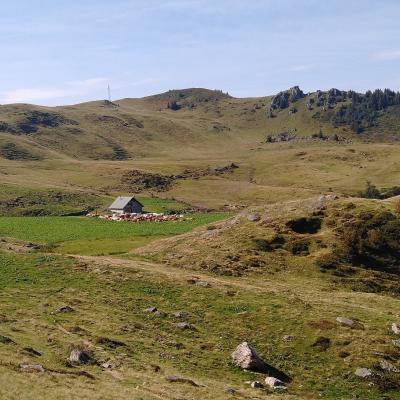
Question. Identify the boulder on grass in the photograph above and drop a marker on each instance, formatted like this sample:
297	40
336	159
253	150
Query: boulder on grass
396	328
345	321
396	342
79	356
246	357
185	326
275	383
31	368
387	366
364	373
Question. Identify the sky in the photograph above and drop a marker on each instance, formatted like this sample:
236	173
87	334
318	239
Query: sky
56	52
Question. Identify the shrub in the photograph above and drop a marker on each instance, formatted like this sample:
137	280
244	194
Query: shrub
275	242
370	192
327	261
373	240
299	247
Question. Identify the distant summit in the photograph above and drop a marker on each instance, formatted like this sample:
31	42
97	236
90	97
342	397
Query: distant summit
175	99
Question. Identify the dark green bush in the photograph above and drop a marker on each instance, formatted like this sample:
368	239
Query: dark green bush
373	240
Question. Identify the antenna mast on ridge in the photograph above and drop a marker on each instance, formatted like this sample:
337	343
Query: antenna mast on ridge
109	93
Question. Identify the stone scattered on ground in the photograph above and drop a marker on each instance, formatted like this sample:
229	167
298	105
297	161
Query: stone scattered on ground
31	368
246	357
396	342
364	373
231	391
274	383
179	379
253	217
387	366
185	326
151	310
323	200
64	309
396	328
79	356
108	365
346	321
288	338
203	283
181	314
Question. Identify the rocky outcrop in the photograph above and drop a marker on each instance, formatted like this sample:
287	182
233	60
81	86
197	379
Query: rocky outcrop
283	99
280	137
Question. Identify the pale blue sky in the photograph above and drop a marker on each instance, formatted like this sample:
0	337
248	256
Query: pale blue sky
67	51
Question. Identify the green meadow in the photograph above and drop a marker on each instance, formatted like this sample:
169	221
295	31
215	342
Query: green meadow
93	236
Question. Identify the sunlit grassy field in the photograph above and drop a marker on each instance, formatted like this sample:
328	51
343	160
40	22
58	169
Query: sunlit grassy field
82	235
109	303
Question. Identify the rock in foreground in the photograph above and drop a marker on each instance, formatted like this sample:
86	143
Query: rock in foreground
274	383
79	356
31	368
396	328
247	358
346	321
364	373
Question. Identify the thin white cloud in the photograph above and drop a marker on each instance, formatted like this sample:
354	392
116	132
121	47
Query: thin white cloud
68	89
303	67
32	95
387	55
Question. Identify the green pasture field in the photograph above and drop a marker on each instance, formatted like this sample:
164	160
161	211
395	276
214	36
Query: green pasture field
93	236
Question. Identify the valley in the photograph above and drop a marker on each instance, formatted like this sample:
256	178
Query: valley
281	240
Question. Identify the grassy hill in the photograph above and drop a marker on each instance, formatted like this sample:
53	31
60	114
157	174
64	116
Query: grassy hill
293	151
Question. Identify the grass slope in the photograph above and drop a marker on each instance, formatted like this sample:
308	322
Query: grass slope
109	299
88	147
